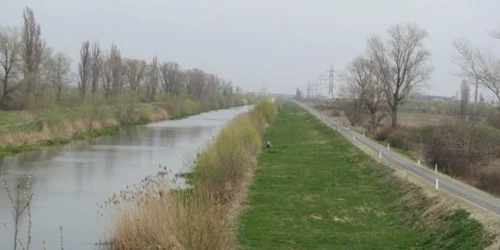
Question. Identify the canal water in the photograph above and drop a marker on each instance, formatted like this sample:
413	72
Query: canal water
68	182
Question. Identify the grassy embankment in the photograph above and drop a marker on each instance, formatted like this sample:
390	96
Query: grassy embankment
203	217
315	190
30	129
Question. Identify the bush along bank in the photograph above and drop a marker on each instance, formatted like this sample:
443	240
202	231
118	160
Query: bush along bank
461	149
464	147
204	216
29	130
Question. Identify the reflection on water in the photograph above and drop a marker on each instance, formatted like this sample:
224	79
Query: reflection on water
68	181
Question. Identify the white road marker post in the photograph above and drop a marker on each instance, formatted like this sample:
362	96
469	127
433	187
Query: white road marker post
380	154
354	138
437	180
388	146
418	162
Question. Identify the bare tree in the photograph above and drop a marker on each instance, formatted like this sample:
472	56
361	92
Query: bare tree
239	90
195	82
116	67
212	85
477	65
96	64
171	77
495	33
10	48
227	88
60	73
44	70
152	79
354	90
464	98
32	50
84	68
134	71
111	74
364	89
107	74
180	83
401	64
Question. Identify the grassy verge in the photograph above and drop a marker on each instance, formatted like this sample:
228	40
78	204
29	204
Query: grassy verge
13	150
315	190
28	130
202	217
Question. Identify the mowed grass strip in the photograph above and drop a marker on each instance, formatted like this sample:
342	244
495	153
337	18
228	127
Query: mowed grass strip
314	190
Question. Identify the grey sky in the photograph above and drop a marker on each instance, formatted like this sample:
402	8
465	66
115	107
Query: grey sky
281	43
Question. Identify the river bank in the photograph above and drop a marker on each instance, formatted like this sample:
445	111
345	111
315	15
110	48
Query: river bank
67	181
30	130
203	217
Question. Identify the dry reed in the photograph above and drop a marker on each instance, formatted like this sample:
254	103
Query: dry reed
152	216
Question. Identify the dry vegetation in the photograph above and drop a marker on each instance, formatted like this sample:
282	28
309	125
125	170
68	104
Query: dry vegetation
53	104
151	215
59	125
461	138
465	147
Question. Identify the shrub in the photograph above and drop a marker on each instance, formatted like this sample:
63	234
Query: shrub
402	138
355	116
383	133
459	147
493	119
268	109
336	113
488	179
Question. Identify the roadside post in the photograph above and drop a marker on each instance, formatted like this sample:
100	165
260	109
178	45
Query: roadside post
437	180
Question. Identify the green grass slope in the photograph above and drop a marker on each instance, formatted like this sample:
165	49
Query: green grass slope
315	190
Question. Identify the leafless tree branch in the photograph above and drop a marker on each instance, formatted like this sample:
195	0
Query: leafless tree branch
32	50
401	63
84	68
96	64
152	79
477	65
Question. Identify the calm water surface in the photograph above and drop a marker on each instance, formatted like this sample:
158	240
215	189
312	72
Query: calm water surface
68	181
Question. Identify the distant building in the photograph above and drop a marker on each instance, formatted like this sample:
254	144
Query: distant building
430	97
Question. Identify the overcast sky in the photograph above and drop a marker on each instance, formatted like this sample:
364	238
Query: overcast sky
281	43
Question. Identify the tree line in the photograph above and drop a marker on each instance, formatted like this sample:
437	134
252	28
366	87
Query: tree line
30	68
397	64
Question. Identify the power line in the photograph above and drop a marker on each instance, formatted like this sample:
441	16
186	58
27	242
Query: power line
330	81
314	87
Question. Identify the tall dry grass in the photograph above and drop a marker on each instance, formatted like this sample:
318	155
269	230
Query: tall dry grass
49	121
203	217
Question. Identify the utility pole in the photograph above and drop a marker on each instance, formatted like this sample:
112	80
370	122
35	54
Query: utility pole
330	82
319	83
309	88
